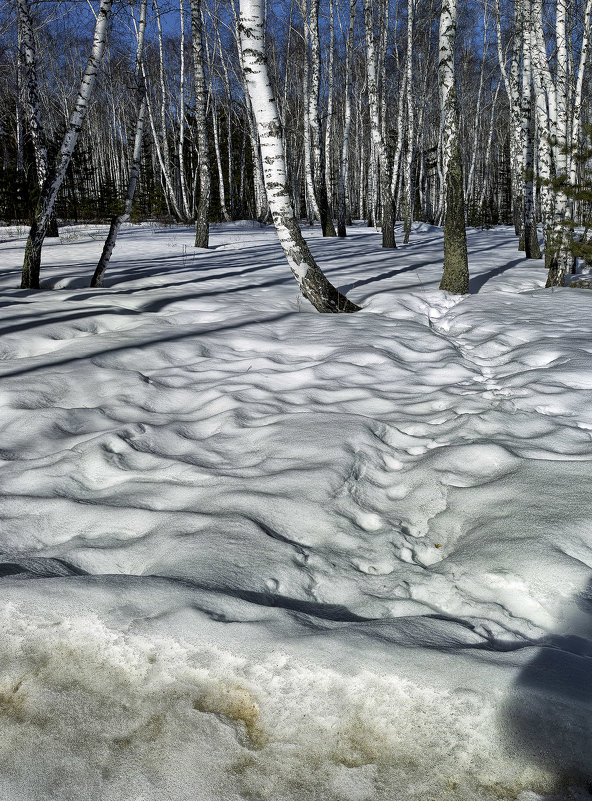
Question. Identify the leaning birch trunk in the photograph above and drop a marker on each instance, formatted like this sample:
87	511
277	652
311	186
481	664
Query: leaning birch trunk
55	178
33	102
261	204
202	227
119	219
344	165
455	275
313	284
388	222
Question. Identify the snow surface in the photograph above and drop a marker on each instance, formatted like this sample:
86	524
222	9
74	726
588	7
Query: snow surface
253	552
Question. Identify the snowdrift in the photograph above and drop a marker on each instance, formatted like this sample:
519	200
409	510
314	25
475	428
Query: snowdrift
252	552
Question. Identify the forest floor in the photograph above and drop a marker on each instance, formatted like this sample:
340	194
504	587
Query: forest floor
248	551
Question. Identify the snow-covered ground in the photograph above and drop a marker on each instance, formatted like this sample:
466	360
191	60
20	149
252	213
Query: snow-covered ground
249	551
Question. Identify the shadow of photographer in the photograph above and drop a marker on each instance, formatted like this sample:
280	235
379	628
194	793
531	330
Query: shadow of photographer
548	719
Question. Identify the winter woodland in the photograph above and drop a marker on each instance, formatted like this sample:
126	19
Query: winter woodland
451	114
295	400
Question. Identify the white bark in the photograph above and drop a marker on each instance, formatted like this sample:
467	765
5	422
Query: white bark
167	184
512	86
202	226
344	165
181	143
311	280
32	262
261	204
486	159
388	232
455	276
36	128
471	175
119	219
409	194
576	114
531	246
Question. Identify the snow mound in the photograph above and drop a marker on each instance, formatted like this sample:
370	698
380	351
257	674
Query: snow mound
251	551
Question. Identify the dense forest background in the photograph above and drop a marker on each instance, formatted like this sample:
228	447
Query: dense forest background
504	85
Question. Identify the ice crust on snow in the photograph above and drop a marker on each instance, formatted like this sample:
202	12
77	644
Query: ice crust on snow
250	551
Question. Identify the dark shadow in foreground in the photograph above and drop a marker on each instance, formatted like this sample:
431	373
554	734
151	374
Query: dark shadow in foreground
549	719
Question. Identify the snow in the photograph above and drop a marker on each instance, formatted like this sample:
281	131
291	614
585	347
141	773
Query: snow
253	552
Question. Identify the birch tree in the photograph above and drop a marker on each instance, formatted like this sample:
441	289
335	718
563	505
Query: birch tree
531	242
409	193
344	163
315	123
313	283
202	227
33	101
55	177
118	220
455	276
388	222
511	80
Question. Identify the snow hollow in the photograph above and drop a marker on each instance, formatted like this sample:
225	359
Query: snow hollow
249	551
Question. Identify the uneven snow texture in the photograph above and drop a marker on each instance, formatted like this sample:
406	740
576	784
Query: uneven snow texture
253	552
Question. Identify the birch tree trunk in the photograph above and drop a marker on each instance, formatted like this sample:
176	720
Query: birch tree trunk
471	176
33	102
487	156
409	194
512	86
399	145
181	143
261	204
202	227
388	222
119	219
225	214
561	261
315	123
344	165
166	179
312	207
329	173
54	179
313	283
576	115
455	275
161	143
531	242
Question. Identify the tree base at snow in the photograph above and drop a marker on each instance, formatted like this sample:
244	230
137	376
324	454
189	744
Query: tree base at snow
581	283
455	275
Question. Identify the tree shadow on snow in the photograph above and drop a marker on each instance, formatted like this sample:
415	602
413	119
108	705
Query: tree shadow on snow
477	282
549	717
